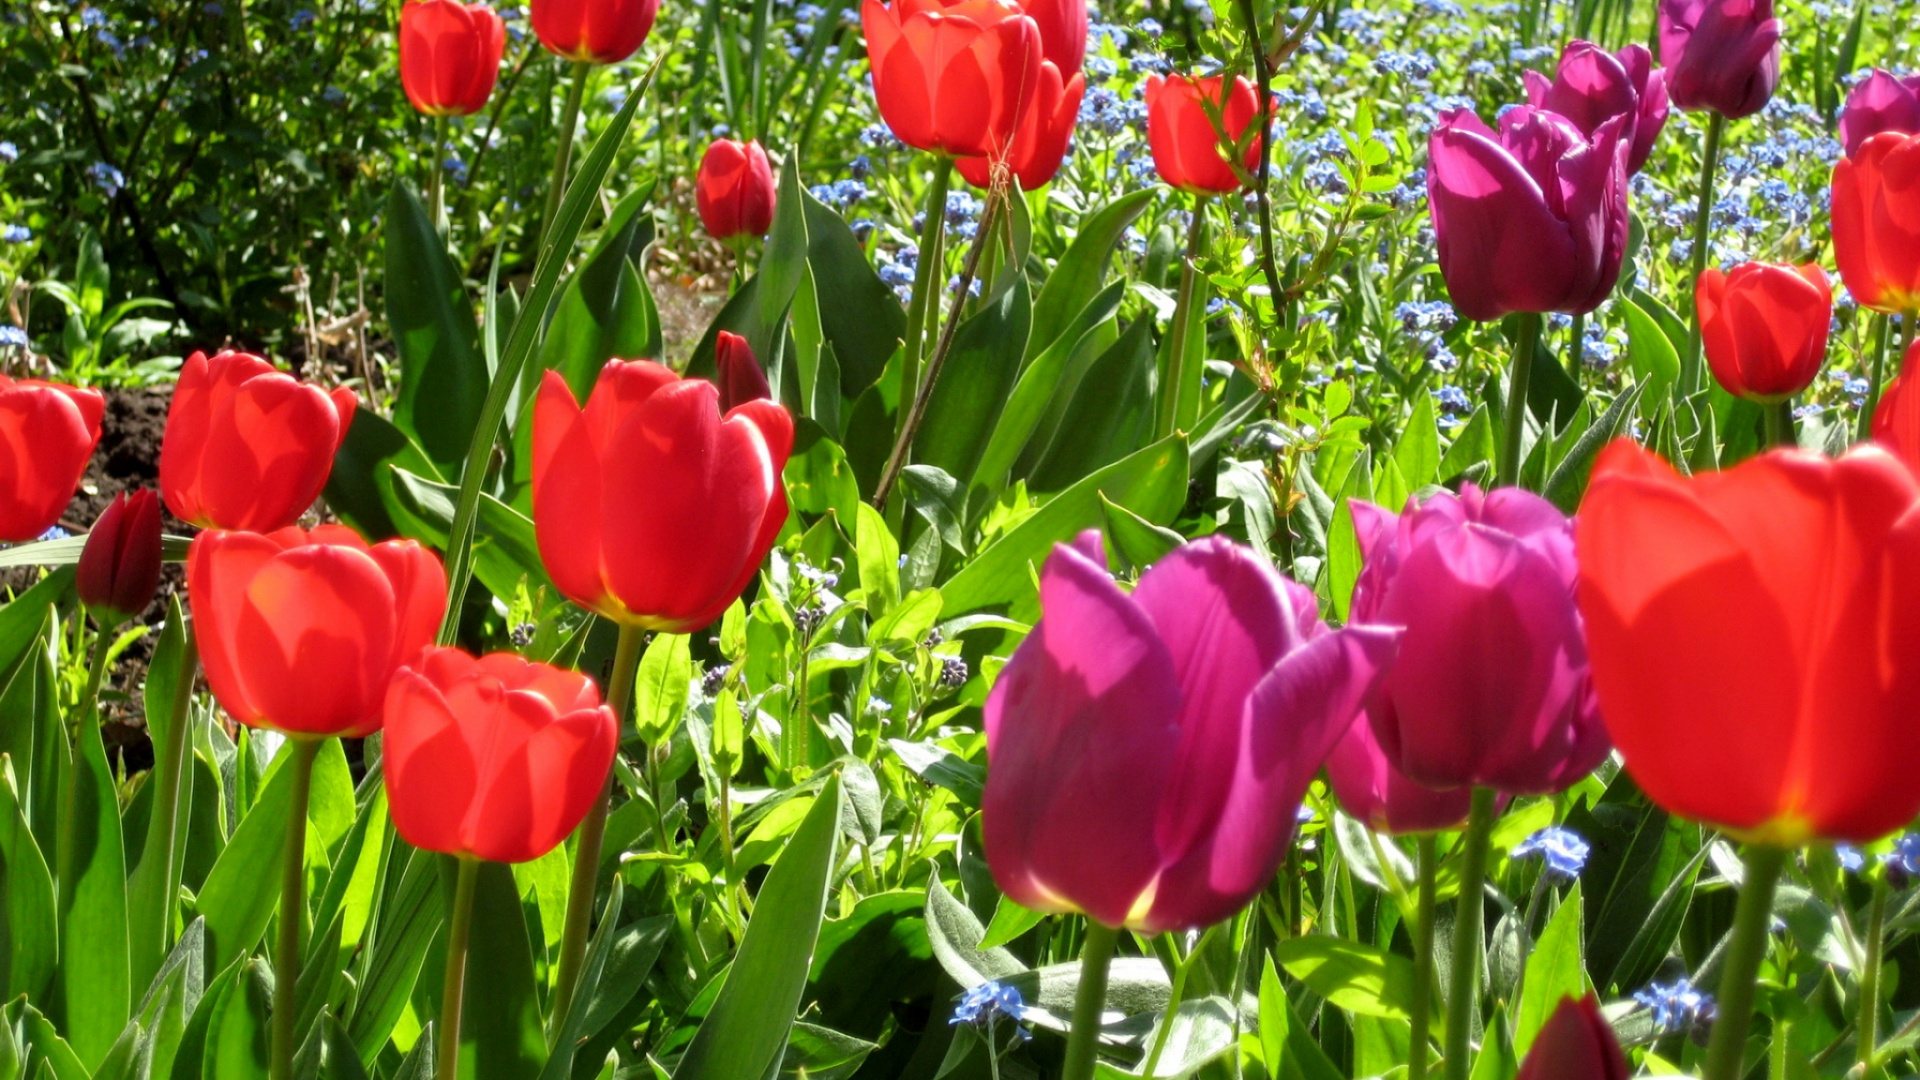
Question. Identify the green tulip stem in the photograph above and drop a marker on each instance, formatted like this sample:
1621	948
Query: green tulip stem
1576	347
1173	406
293	910
1519	378
166	807
588	837
1778	416
1702	221
1876	378
1420	1010
563	153
66	845
453	989
437	176
1089	1001
1469	915
1740	970
923	309
1869	1022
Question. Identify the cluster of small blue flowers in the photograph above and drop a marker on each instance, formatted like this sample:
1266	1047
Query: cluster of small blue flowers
1562	851
841	194
15	234
991	1001
12	337
107	178
1427	322
897	270
1676	1005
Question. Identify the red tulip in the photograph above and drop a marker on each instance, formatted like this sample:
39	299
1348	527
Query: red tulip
952	76
119	567
597	31
741	379
1896	423
449	55
1755	637
301	631
47	435
652	508
1040	142
734	190
1764	327
1187	149
1876	221
248	447
497	757
1576	1043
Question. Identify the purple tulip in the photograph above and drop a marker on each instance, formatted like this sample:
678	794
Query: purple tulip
1722	55
1881	102
1371	789
1532	217
1592	86
1490	686
1147	751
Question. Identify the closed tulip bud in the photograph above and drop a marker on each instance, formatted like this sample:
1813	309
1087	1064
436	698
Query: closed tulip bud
596	31
47	435
734	190
1040	141
449	55
301	632
1876	227
246	446
952	76
741	379
1372	790
1188	150
1764	327
1755	637
1504	245
497	757
1880	102
1147	750
1722	55
1896	422
1592	86
119	567
1490	688
651	506
1576	1043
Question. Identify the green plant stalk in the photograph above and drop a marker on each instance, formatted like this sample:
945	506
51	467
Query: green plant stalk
757	75
1702	220
1467	952
437	176
1740	970
293	910
563	153
1089	1000
1519	379
1869	1022
1174	999
924	306
588	837
1876	378
1778	416
453	987
1576	348
67	842
167	798
1420	1010
1171	393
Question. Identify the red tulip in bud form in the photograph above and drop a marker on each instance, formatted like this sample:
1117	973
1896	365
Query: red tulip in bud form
496	757
247	446
1896	423
741	380
1764	327
651	506
952	76
301	632
120	565
1188	150
734	190
596	31
1576	1043
47	435
449	55
1876	221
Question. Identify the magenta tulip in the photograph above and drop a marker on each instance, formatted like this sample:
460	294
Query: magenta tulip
1529	217
1371	789
1592	86
1490	687
1722	55
1147	751
1880	102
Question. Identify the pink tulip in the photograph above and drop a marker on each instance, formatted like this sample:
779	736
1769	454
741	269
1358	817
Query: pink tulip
1722	55
1880	102
1592	86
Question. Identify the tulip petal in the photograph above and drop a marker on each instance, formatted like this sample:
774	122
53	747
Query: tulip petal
567	500
268	450
219	567
1501	248
316	629
45	444
429	764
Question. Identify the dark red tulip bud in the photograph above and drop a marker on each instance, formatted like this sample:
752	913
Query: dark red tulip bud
741	379
1577	1043
120	566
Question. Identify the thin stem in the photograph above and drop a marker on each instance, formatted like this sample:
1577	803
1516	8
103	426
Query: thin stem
293	910
1702	220
1576	347
924	306
586	853
453	987
1739	975
1172	395
168	796
1420	1011
1174	999
1869	1022
66	850
1263	77
1469	914
1876	380
1089	1000
1518	379
1778	416
563	153
437	176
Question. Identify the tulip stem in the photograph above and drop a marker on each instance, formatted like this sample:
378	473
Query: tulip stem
1089	1001
563	153
924	305
1468	919
593	830
1778	416
1576	348
1420	1011
1702	219
1518	380
1173	405
453	988
293	909
437	175
1876	378
1746	947
167	797
1869	1022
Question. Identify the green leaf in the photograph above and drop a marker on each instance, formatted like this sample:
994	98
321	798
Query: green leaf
1010	920
871	960
1200	1032
443	379
1139	541
937	765
1554	971
1151	483
660	694
237	1032
879	559
29	919
154	889
1353	976
861	318
980	373
57	1060
1473	445
360	487
636	946
958	941
1418	451
409	917
1274	1014
571	1028
782	263
505	547
818	477
327	1054
1078	274
818	1053
605	310
1496	1060
24	620
1568	481
1109	416
500	1028
1652	357
93	902
909	621
743	1034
